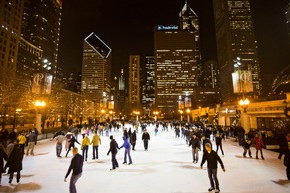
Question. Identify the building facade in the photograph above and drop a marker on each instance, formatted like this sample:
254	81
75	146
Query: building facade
10	32
41	27
134	80
235	41
96	68
150	81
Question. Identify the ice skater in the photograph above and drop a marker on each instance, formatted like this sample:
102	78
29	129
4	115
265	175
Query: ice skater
212	158
113	150
259	146
195	144
146	139
96	141
85	147
72	144
127	147
14	162
59	140
76	166
218	141
247	147
3	156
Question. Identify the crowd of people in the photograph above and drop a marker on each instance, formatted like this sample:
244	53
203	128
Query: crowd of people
12	146
199	137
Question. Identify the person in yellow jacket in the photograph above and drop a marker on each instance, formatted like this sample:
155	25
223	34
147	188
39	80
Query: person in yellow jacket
96	141
85	147
21	140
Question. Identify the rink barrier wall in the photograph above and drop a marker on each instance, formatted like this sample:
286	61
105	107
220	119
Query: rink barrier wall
45	136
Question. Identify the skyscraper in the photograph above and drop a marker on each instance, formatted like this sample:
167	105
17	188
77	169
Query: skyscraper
10	31
287	14
41	26
150	81
134	80
96	68
235	41
177	55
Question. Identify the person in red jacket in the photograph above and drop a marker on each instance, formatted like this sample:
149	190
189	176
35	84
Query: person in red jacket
259	145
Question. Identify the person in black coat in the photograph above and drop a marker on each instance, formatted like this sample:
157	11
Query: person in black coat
133	140
14	162
247	147
114	150
287	163
3	156
145	138
72	144
218	141
212	158
195	144
205	141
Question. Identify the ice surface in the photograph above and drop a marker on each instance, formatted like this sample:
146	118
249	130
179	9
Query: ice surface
165	168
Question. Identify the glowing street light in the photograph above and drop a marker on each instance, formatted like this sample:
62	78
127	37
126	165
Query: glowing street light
188	117
137	114
244	104
39	103
155	113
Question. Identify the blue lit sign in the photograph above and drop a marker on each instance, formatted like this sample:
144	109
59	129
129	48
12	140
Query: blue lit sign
171	27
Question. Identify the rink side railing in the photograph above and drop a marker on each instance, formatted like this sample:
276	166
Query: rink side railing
45	136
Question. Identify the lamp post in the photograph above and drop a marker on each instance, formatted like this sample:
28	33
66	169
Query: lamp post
155	113
38	104
103	112
244	103
181	113
245	121
137	115
111	115
188	115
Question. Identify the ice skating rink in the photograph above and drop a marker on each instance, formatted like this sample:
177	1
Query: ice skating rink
165	168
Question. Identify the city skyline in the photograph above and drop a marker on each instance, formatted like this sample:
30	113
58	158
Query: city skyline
129	32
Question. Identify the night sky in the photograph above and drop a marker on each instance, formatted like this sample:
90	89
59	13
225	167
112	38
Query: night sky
127	27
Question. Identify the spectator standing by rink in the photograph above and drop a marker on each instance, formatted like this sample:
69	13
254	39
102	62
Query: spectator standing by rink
218	141
212	158
247	147
127	147
96	141
31	142
259	145
133	139
287	163
146	139
76	166
85	147
14	162
3	156
59	140
113	150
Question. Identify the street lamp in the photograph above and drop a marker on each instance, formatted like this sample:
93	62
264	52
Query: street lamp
244	104
181	112
155	113
188	117
137	114
38	104
103	112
